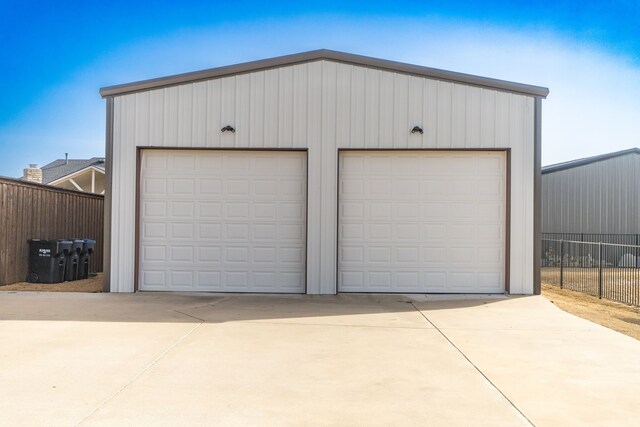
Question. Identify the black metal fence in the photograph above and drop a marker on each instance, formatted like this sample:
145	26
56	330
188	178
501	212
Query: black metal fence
620	239
605	270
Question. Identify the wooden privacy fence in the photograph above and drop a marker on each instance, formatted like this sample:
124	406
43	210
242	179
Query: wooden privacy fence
35	211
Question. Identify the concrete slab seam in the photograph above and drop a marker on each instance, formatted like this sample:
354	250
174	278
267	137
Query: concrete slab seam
188	315
139	374
513	405
200	306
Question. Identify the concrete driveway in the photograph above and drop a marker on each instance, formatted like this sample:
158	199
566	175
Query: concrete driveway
171	359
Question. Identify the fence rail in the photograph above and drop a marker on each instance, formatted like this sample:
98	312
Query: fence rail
35	211
622	239
605	270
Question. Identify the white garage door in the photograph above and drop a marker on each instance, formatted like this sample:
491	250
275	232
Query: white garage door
230	221
420	221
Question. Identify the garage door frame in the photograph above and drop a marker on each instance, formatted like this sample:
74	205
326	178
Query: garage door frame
138	195
507	154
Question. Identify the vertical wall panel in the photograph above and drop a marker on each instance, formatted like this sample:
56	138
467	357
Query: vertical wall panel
386	104
343	105
518	192
415	112
444	115
199	118
185	115
271	106
214	116
256	110
328	209
600	197
228	110
118	188
285	107
156	118
487	118
242	124
170	121
142	112
502	120
315	184
430	114
473	113
358	102
323	106
300	105
400	110
459	116
372	109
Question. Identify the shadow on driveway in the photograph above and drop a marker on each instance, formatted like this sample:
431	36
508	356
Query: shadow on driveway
217	308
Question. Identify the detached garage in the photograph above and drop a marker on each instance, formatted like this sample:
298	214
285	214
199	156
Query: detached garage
323	172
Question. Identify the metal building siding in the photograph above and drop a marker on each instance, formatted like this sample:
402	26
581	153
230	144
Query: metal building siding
324	106
600	197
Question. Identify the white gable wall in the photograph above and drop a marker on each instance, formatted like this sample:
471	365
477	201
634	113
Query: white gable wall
323	106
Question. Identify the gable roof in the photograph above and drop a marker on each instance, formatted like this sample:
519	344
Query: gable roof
61	168
587	160
328	55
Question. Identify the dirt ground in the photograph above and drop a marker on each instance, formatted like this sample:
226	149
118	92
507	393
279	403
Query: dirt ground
618	284
92	284
619	317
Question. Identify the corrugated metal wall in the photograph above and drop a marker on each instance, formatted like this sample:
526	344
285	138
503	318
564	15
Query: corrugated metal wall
29	211
323	106
601	197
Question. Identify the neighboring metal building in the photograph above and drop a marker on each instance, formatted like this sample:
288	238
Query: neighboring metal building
323	172
599	194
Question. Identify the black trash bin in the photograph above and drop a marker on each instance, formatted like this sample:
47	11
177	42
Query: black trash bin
88	247
47	260
73	260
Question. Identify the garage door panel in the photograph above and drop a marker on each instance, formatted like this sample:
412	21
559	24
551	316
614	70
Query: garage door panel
291	232
352	281
212	255
183	187
181	230
421	222
225	221
155	161
209	231
154	253
211	161
184	161
157	209
209	186
208	280
153	230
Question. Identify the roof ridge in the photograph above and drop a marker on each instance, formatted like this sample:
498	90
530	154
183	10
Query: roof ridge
588	160
330	55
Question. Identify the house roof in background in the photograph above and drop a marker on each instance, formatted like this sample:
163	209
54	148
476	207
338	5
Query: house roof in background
328	55
61	168
587	160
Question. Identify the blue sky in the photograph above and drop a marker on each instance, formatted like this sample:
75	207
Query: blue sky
56	55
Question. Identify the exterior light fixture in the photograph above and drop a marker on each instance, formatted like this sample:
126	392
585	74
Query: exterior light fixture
417	129
228	128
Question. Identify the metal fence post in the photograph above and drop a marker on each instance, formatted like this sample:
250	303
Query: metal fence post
561	263
600	270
